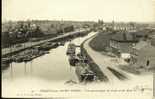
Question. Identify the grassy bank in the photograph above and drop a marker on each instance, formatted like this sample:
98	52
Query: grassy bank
100	42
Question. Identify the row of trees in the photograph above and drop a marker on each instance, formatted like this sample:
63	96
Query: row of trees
23	31
20	33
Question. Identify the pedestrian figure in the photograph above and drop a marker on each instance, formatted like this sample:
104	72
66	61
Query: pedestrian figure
147	63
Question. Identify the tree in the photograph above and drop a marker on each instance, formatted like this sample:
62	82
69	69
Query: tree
5	39
38	32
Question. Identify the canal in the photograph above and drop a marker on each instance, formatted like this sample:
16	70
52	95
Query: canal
49	68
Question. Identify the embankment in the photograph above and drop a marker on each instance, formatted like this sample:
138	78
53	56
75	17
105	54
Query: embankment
93	66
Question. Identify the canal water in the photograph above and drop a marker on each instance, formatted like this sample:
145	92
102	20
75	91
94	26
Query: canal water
45	76
49	68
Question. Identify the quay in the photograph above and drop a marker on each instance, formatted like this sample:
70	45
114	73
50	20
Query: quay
9	51
93	66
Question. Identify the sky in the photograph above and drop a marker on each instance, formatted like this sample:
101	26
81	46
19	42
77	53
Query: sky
79	10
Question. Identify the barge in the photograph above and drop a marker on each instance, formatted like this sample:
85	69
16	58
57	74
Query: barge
6	60
84	74
73	60
48	46
71	49
61	43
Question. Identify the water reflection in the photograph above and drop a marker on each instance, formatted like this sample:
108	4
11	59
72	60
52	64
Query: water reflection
11	70
31	67
25	68
51	67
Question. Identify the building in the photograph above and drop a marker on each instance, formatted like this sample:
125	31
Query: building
121	44
152	38
144	53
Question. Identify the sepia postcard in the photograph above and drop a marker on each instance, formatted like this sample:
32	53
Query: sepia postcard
78	49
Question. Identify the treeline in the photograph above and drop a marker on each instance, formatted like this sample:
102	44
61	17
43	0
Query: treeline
20	32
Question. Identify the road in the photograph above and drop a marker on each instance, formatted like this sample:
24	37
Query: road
105	62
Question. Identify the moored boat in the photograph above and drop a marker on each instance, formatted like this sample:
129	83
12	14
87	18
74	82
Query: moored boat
27	59
6	60
84	74
48	46
62	43
73	60
71	49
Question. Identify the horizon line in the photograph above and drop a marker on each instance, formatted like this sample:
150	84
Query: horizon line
6	20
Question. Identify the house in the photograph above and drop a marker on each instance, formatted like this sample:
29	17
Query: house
152	38
138	47
145	54
121	43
